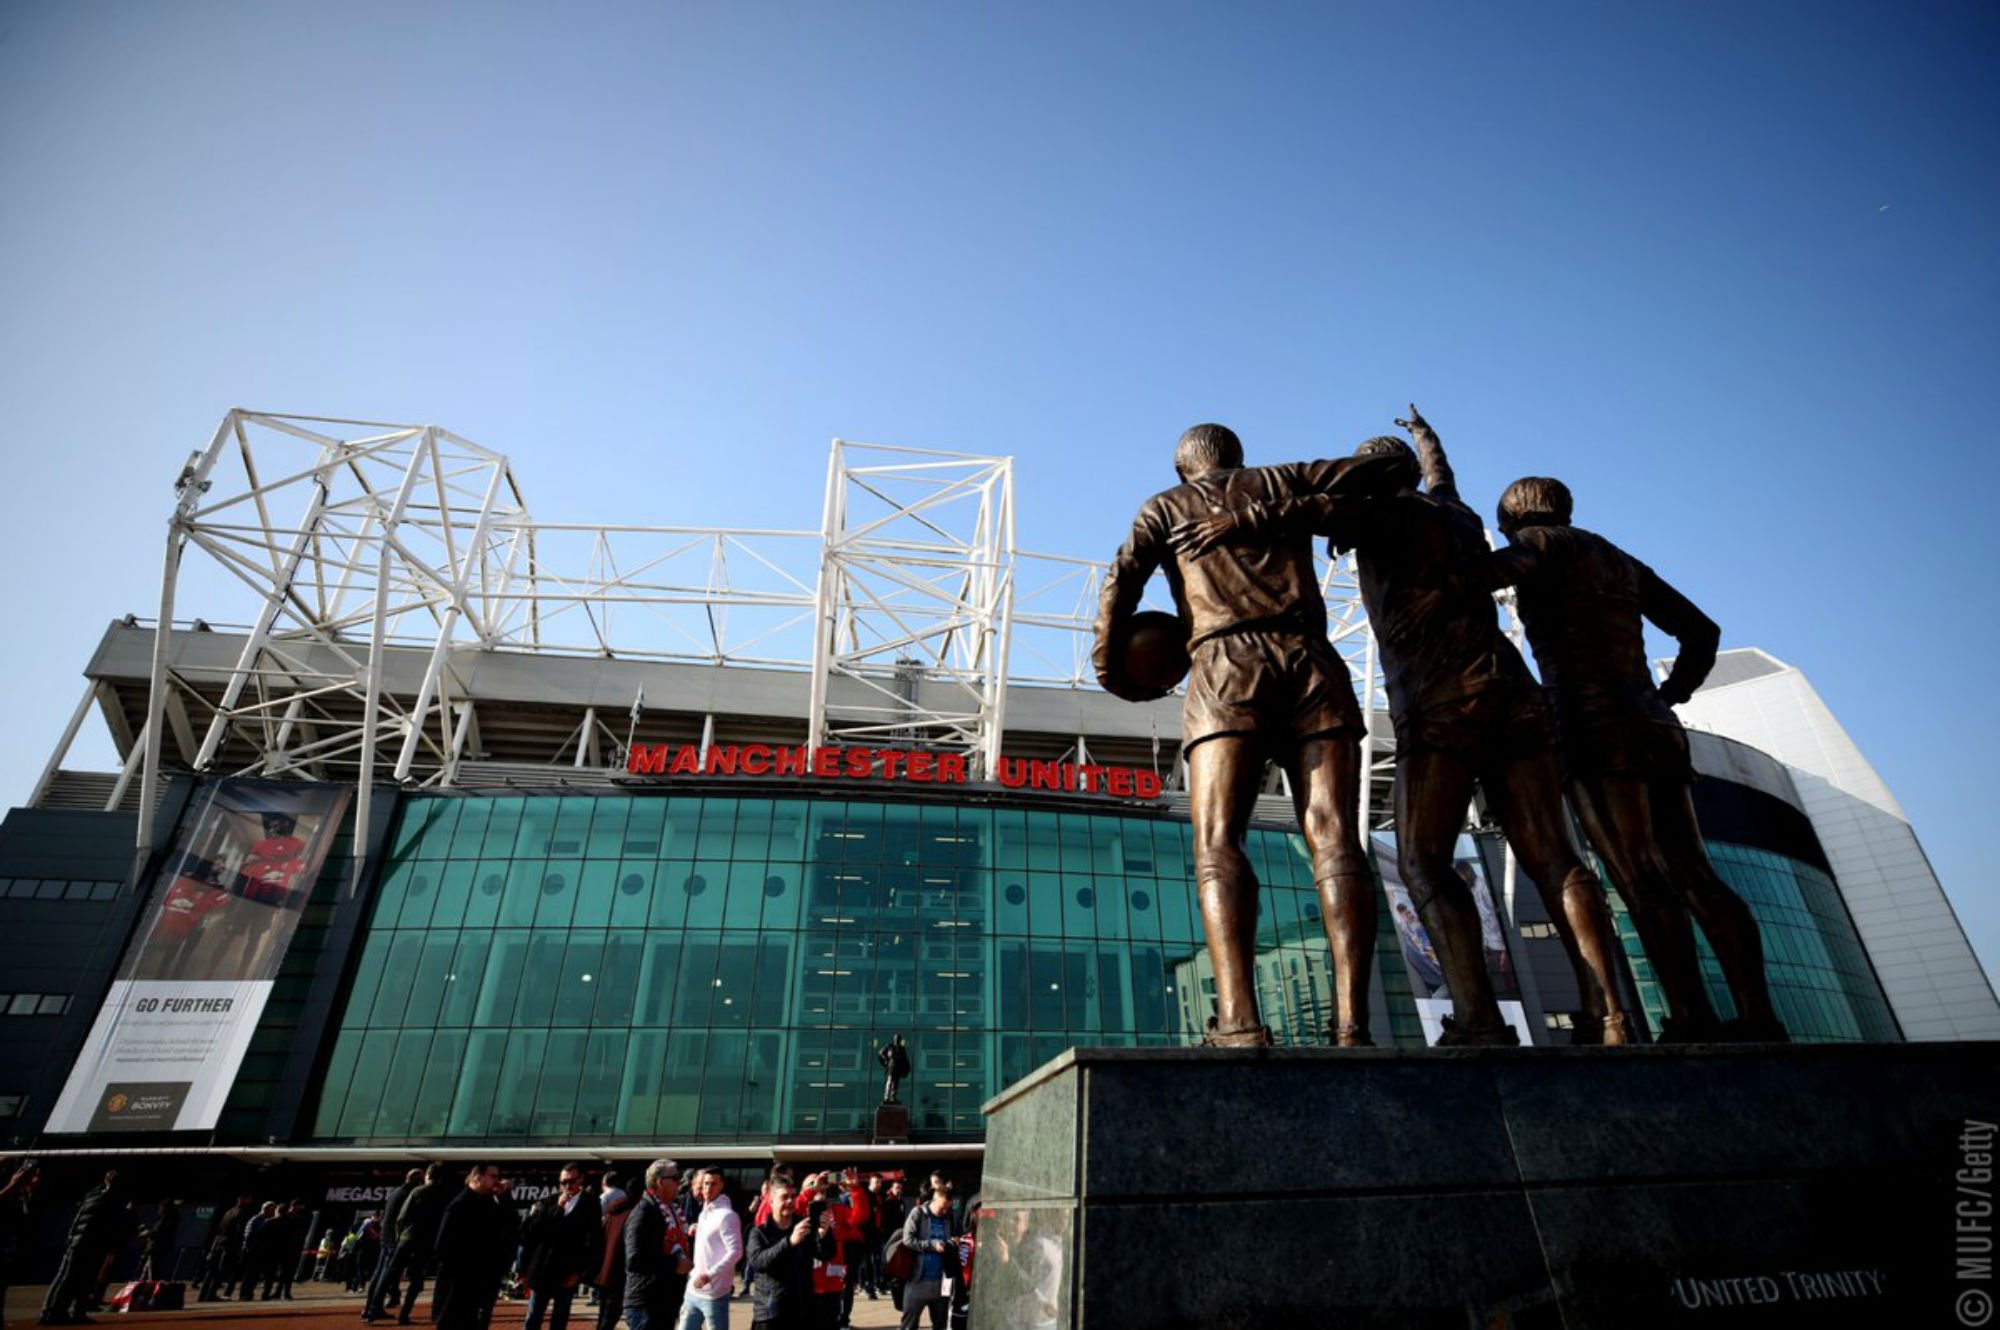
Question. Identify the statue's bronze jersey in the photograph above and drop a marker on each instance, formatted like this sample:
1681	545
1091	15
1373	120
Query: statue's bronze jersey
1234	586
1584	602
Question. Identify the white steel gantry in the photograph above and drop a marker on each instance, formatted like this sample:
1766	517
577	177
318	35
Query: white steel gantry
910	608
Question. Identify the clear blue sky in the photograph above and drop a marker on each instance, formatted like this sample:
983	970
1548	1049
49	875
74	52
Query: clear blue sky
1731	270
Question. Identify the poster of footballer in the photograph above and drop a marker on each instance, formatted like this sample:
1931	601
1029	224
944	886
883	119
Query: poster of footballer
220	915
1420	959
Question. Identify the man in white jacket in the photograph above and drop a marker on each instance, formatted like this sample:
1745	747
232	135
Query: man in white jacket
718	1246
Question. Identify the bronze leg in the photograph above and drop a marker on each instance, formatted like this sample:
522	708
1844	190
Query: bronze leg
1432	791
1222	790
1617	816
1325	774
1731	928
1525	795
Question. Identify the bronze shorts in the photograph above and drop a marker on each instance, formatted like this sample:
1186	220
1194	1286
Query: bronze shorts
1602	741
1494	724
1283	686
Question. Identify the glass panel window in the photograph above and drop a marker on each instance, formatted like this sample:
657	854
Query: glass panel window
681	1084
398	1090
597	888
522	892
659	970
607	828
463	980
339	1082
440	1075
478	1077
638	1100
597	1085
705	887
559	892
502	981
683	826
645	828
541	975
454	890
503	825
562	1074
489	884
520	1077
617	981
468	838
371	1068
577	995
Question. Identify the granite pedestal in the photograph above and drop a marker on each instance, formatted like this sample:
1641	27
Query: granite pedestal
1139	1189
892	1124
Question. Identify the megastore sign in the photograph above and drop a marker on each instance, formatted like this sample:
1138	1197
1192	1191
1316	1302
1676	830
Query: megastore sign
909	765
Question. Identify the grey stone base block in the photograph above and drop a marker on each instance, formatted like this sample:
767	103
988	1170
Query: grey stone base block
892	1124
1142	1189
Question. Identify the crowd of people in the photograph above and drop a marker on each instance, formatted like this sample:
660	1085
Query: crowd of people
661	1251
669	1252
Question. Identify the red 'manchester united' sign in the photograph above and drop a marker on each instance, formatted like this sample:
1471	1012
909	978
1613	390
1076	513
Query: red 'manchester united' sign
914	765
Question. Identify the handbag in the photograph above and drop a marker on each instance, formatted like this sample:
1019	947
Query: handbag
898	1261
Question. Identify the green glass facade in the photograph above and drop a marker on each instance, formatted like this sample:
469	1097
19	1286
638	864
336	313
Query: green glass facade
1822	985
628	968
643	968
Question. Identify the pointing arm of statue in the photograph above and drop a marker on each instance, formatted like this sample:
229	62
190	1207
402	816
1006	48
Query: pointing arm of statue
1438	477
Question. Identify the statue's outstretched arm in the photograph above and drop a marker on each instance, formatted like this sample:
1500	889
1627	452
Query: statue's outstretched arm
1436	467
1255	523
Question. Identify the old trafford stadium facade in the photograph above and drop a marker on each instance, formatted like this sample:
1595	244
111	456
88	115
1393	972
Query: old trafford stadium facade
476	835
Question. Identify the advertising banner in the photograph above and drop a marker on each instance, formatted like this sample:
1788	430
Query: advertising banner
1420	956
173	1030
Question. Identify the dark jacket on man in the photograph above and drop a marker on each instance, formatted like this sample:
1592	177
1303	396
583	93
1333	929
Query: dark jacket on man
227	1238
559	1247
781	1282
103	1221
392	1212
418	1222
474	1248
652	1276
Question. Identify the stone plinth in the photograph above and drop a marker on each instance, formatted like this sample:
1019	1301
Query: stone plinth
1139	1189
892	1124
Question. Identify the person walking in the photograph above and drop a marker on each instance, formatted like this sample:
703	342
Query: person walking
416	1241
895	1209
656	1252
718	1248
779	1256
222	1262
931	1234
287	1239
561	1242
617	1204
473	1251
363	1255
17	1194
160	1242
103	1222
383	1279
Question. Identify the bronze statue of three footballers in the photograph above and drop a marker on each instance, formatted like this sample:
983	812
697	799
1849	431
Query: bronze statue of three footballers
1264	684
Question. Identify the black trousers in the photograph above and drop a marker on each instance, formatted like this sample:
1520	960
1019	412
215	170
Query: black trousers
75	1283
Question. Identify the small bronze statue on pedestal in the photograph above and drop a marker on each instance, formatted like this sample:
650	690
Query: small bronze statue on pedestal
895	1059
